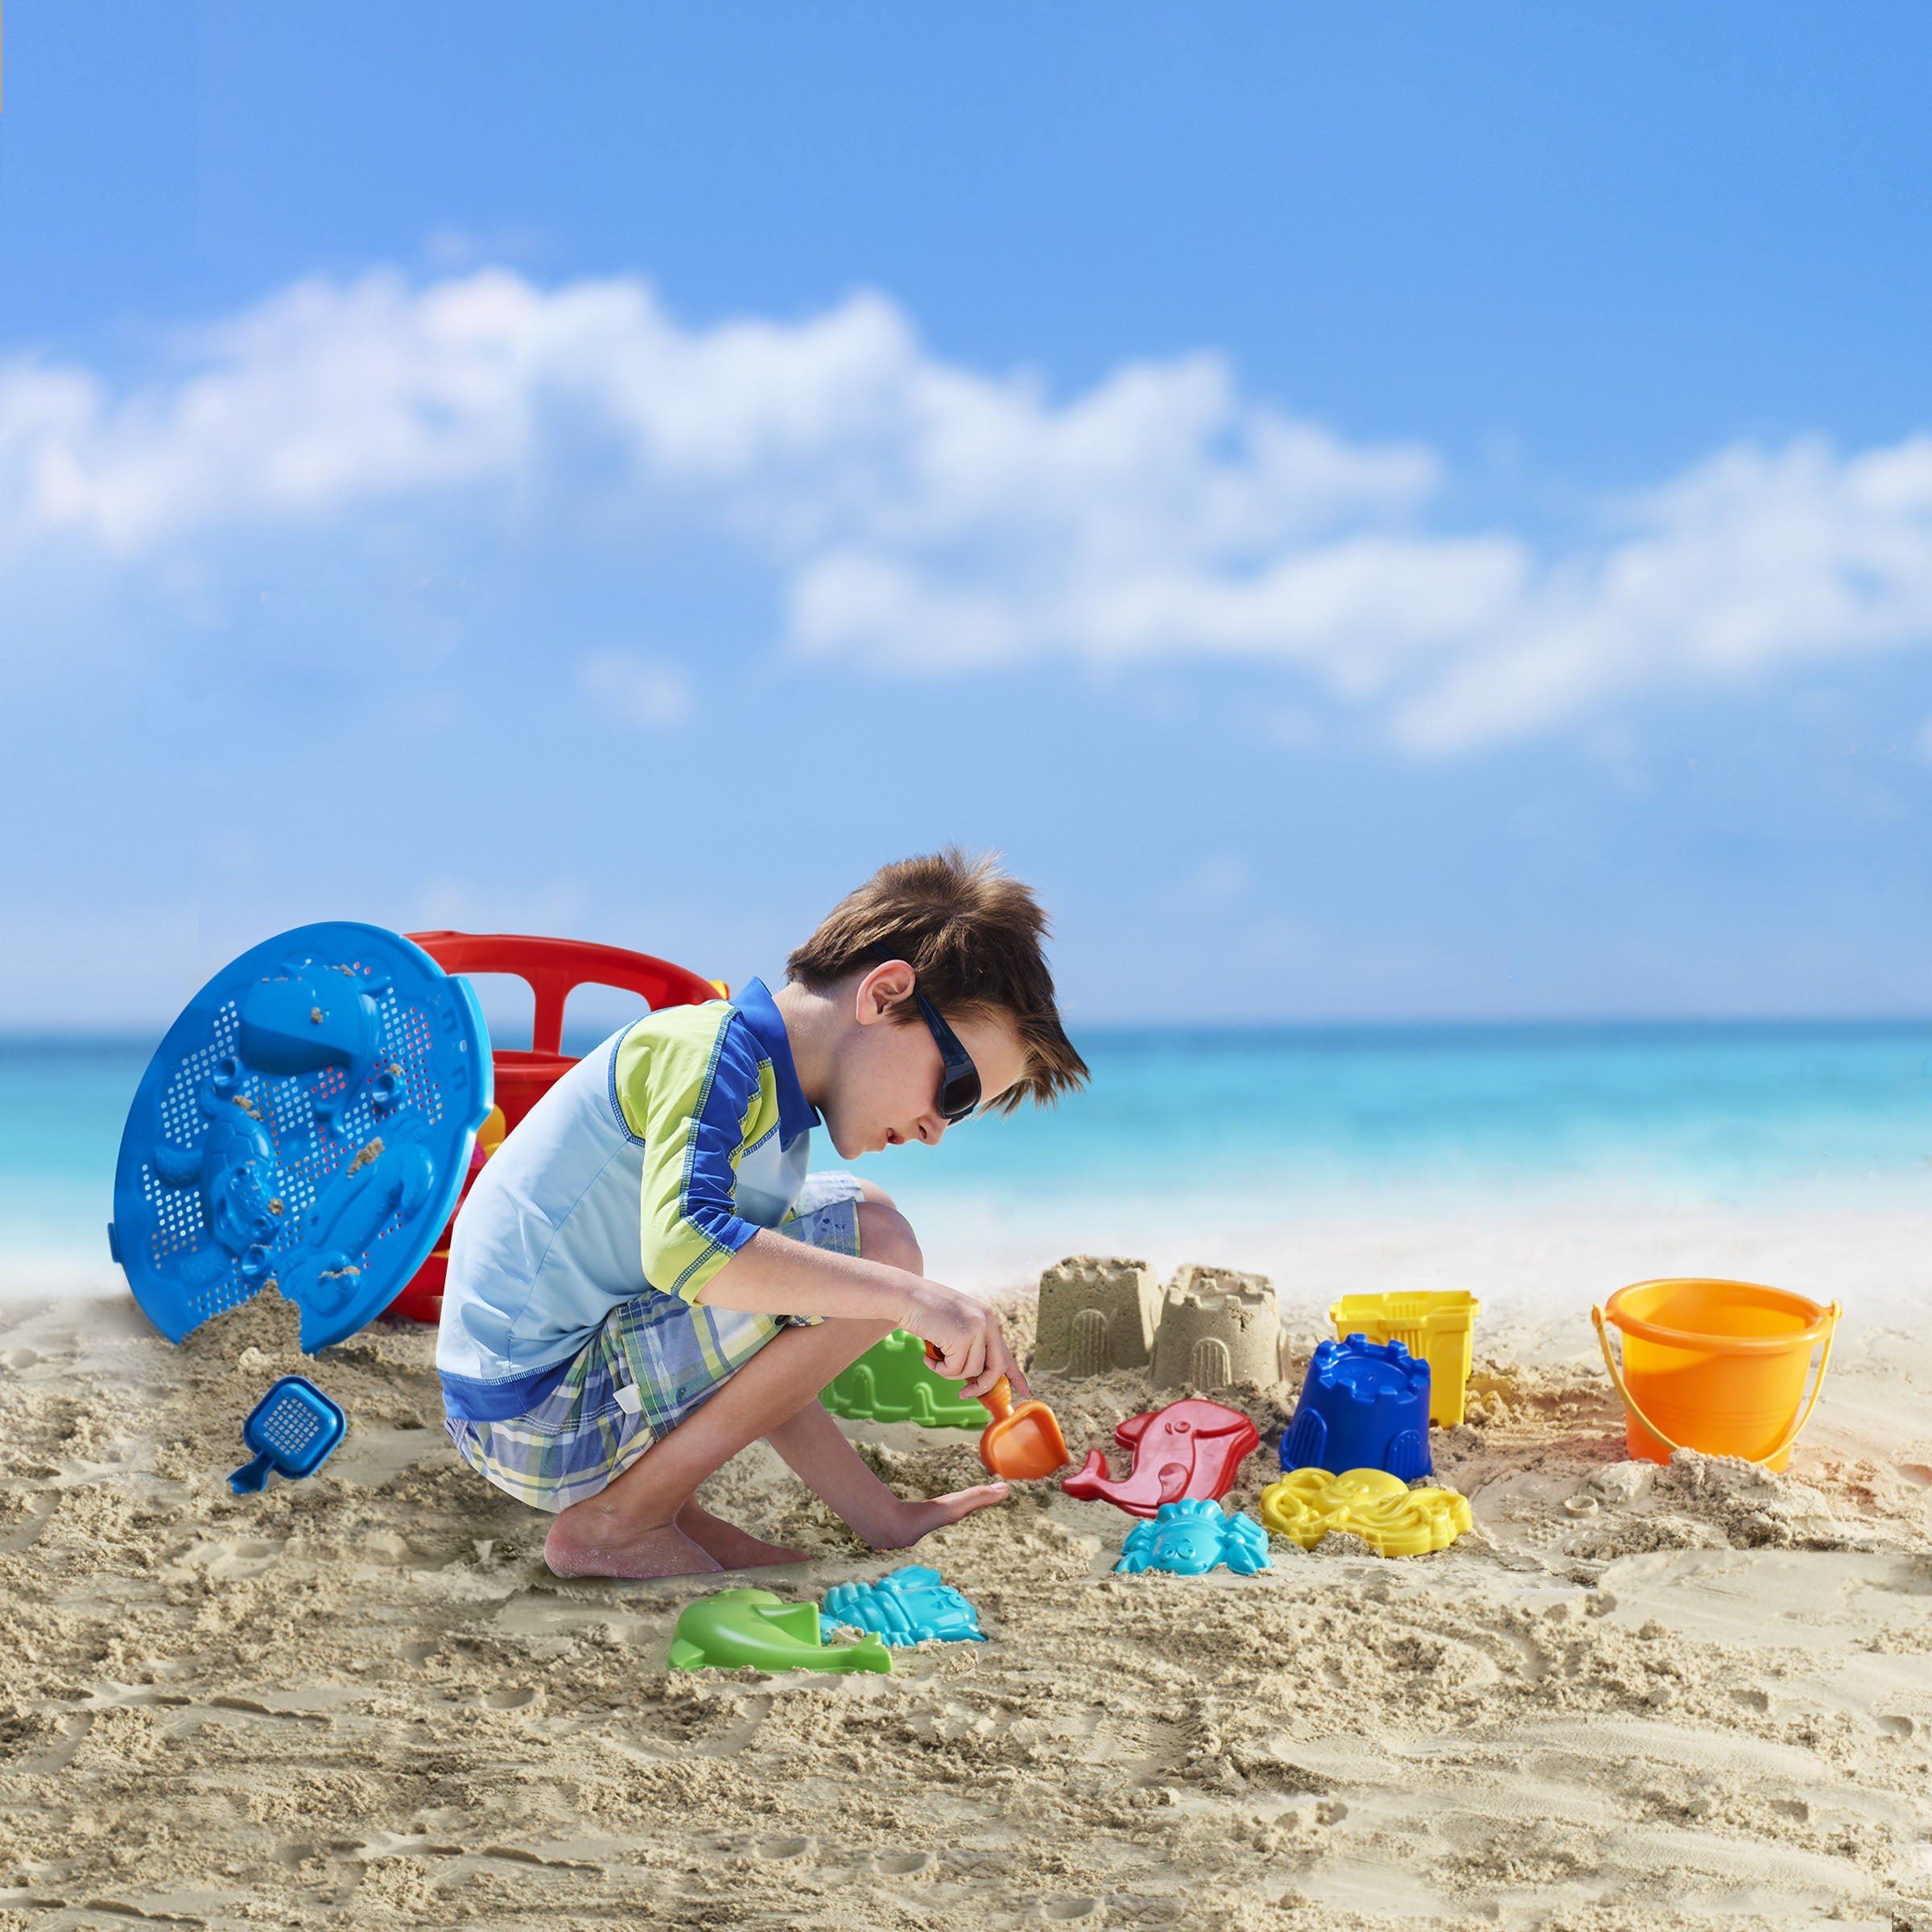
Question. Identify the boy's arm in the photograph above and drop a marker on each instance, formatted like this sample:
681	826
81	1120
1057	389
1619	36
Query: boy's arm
773	1275
687	1093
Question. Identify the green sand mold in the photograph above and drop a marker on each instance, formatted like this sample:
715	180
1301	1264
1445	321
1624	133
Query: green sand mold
891	1383
738	1627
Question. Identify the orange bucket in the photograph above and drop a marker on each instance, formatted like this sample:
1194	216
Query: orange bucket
1715	1366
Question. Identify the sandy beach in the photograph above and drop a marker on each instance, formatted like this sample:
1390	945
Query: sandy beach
1632	1698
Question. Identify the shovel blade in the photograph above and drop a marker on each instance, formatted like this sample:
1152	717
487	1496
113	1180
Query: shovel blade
1025	1445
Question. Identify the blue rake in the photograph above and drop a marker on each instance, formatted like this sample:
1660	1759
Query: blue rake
291	1430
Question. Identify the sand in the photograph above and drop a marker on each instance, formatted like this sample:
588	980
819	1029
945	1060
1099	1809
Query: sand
1633	1697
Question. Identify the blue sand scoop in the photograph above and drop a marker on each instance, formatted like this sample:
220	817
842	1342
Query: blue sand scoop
306	1124
1364	1405
292	1430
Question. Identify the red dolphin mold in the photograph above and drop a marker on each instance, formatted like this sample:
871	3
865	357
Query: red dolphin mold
1189	1449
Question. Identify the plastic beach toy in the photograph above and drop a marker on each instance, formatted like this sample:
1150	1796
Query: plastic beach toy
734	1629
291	1430
906	1607
307	1121
1192	1449
1364	1406
552	969
1437	1326
1191	1538
1715	1366
1392	1518
1022	1442
891	1383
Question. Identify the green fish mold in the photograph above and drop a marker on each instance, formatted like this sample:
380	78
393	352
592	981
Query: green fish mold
734	1629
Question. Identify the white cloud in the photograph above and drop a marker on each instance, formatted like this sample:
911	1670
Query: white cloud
926	518
638	690
1750	563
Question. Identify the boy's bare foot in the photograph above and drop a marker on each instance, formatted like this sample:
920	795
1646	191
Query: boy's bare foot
734	1549
900	1524
584	1548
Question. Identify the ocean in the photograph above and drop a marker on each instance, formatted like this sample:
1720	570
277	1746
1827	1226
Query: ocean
1218	1143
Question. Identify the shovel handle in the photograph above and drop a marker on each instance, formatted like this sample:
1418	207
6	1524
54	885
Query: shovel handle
998	1399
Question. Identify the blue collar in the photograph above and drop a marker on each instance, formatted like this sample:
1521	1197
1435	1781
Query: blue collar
796	1114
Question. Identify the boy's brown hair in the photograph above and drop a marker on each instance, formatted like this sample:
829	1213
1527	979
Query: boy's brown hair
972	935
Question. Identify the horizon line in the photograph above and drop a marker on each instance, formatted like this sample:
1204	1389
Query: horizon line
132	1036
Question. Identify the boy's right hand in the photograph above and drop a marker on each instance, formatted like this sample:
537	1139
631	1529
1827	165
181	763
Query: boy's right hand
972	1349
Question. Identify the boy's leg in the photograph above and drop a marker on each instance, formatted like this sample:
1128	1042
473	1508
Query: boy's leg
823	1458
630	1527
883	1231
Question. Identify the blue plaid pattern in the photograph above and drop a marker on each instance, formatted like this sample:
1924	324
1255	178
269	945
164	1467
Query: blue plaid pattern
653	1361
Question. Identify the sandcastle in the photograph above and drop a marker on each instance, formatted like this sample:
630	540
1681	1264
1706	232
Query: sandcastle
1096	1313
1212	1327
1217	1328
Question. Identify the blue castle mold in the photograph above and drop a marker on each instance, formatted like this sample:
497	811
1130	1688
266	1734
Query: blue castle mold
1364	1406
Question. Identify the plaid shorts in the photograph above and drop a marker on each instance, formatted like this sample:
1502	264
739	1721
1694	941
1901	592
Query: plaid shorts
652	1362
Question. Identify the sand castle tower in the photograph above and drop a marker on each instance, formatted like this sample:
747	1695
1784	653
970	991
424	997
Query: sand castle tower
1096	1313
1217	1328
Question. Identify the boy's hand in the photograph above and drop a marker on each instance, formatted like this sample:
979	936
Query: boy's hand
972	1351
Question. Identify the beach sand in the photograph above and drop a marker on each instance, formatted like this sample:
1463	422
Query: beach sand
1632	1698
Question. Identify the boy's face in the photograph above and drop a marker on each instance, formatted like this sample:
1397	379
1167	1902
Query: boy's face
884	1086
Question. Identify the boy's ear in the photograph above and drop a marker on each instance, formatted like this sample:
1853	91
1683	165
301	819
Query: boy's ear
884	987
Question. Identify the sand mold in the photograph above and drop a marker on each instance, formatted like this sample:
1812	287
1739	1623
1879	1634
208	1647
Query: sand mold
1633	1697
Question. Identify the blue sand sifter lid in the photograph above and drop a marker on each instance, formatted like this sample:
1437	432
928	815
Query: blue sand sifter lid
308	1123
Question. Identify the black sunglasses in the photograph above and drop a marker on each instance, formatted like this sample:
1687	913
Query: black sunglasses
959	1078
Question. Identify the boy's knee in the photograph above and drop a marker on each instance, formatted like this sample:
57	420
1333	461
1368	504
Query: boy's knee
886	1236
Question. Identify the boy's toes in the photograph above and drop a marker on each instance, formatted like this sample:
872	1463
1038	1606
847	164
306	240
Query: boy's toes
904	1523
963	1502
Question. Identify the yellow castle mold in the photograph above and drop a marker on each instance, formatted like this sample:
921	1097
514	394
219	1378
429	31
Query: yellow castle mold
1436	1326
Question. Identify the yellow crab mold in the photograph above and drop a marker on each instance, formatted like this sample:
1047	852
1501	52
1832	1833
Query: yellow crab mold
1390	1517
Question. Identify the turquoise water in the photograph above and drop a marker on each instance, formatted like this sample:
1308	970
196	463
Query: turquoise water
61	1105
1182	1126
1710	1113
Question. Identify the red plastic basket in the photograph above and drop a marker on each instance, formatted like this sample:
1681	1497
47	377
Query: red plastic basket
552	969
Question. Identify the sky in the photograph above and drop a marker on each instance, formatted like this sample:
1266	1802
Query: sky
1401	512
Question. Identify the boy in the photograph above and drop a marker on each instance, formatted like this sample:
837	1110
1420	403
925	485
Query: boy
644	1280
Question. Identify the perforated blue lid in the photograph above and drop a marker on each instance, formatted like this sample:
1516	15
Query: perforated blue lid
307	1121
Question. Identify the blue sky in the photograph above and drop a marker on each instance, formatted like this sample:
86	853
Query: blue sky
1381	513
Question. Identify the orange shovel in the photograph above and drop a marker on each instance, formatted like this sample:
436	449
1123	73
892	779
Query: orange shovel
1023	1443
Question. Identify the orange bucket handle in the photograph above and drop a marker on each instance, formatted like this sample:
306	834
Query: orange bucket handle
1777	1449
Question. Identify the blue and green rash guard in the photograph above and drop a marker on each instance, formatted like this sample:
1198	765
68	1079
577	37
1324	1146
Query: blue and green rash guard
647	1166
